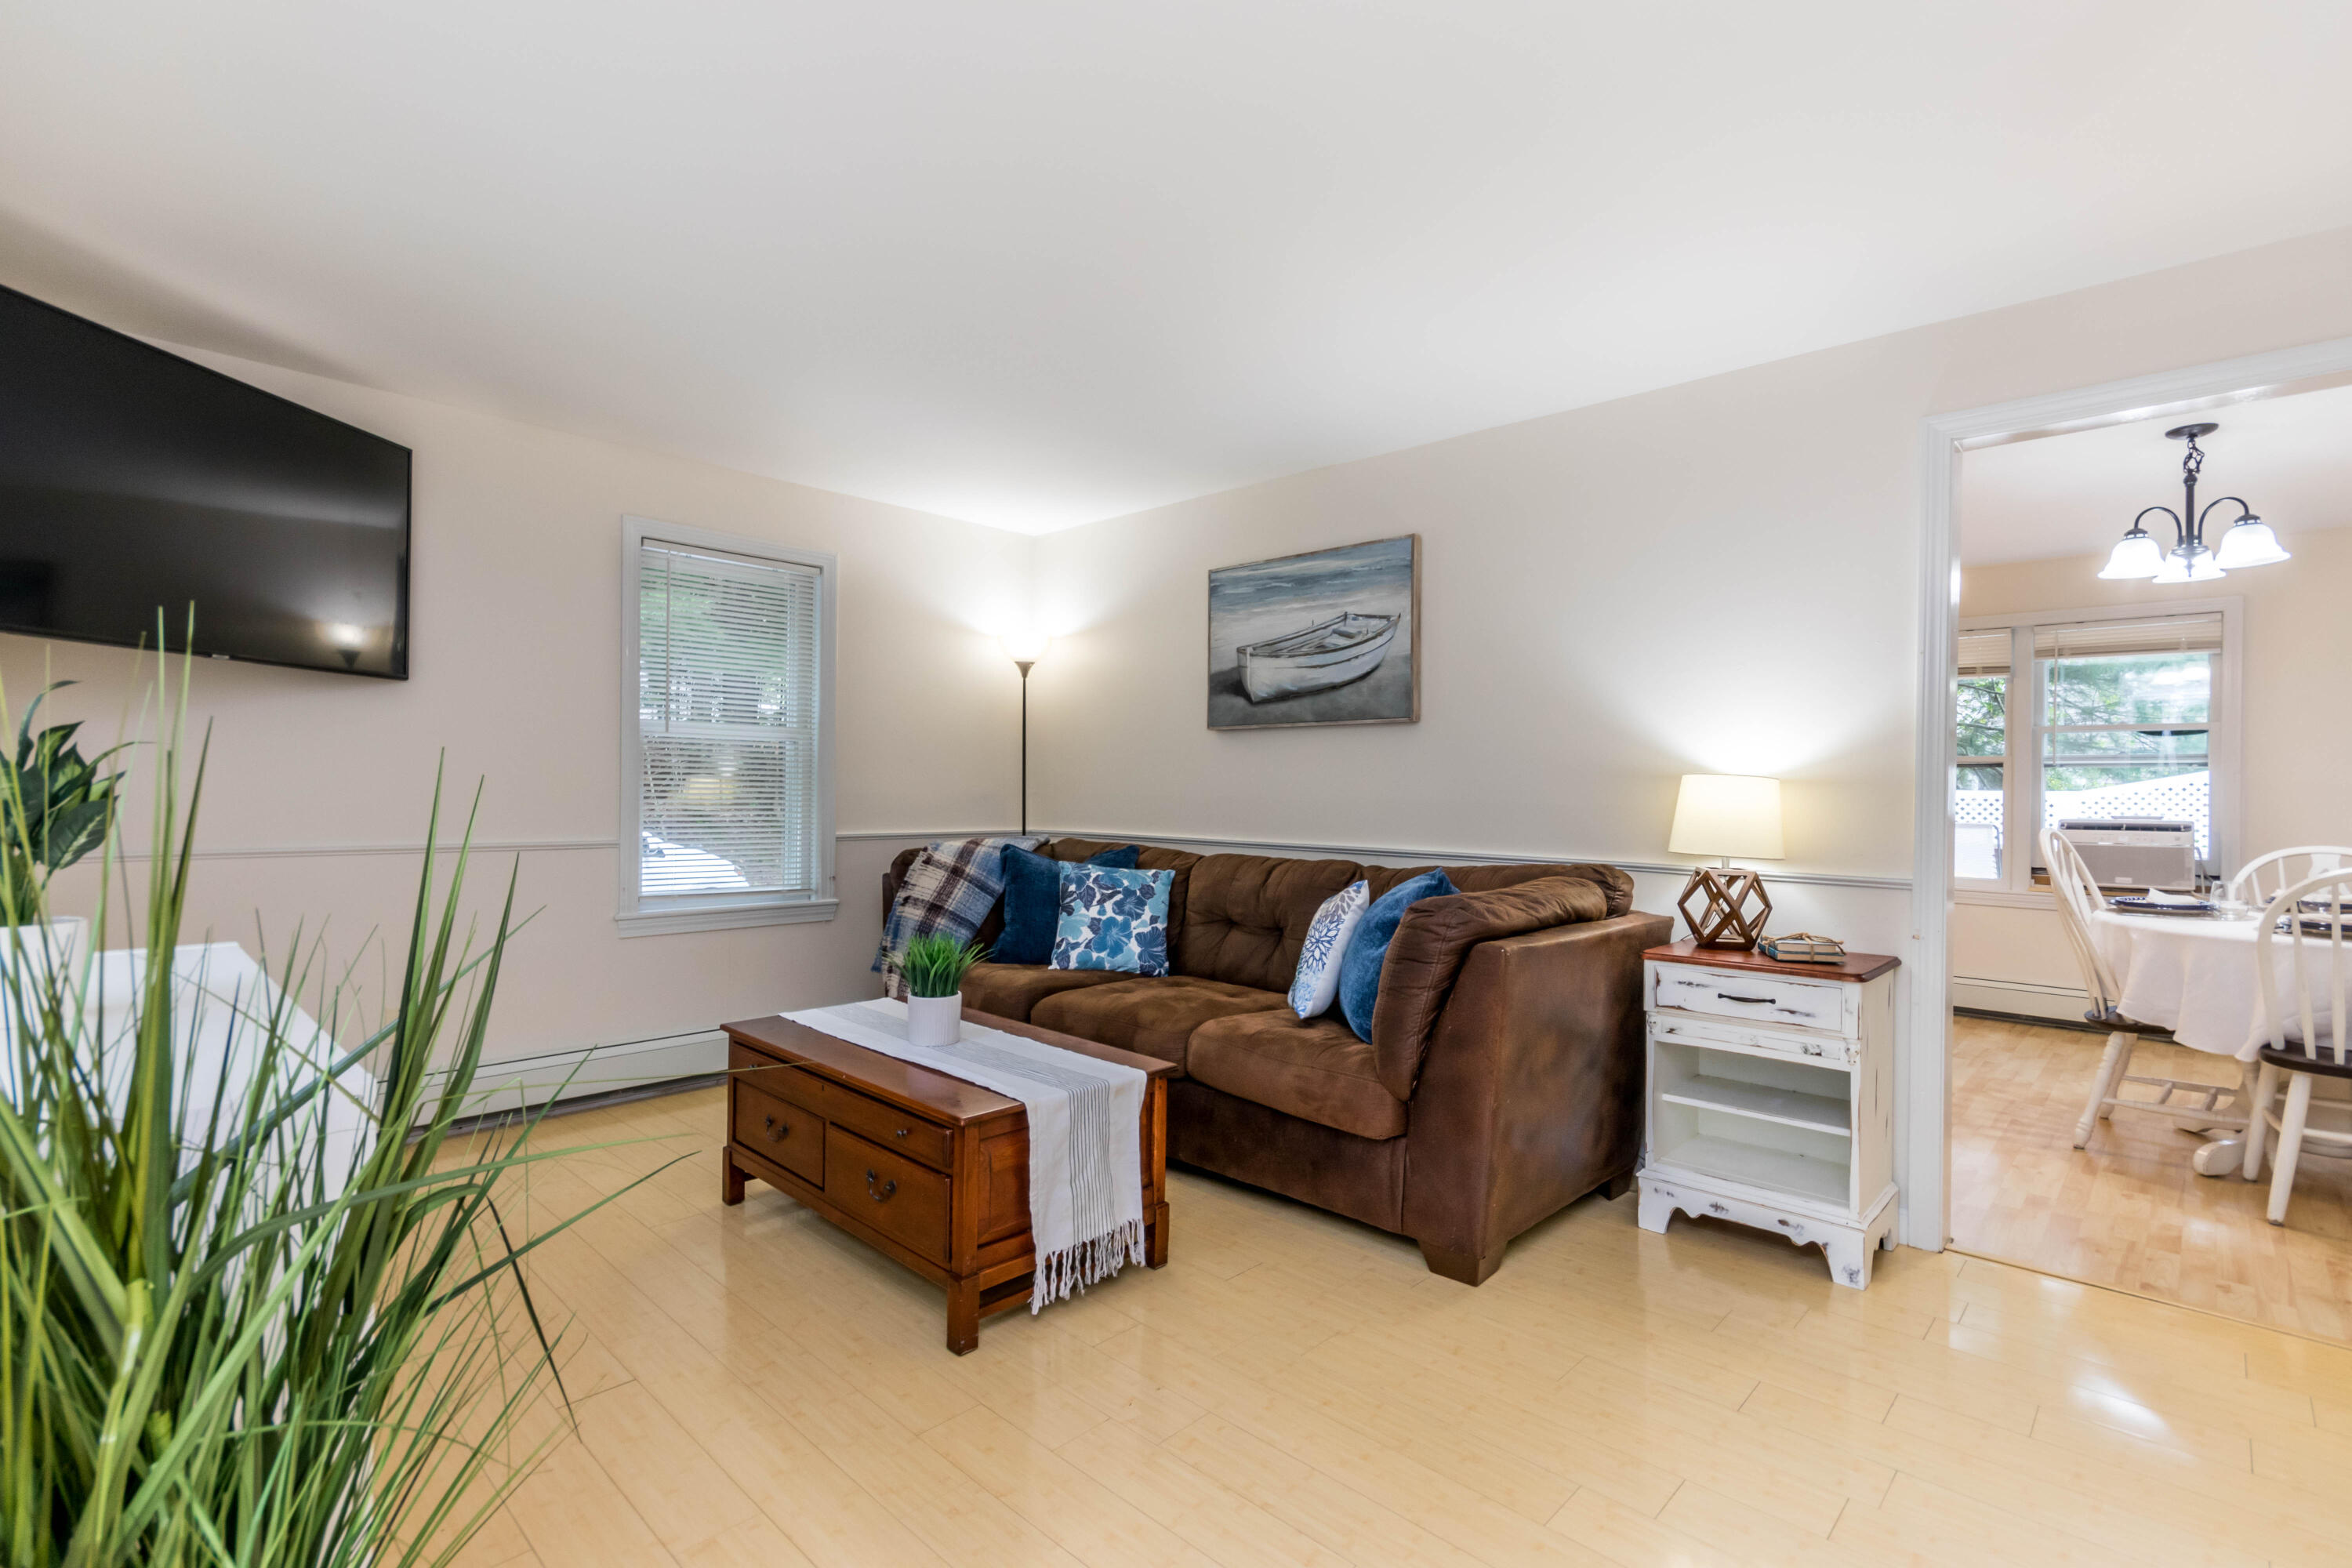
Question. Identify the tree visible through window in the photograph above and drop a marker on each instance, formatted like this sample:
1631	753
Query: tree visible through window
2126	728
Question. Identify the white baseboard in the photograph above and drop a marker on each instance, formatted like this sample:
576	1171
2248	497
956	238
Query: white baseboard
2023	997
598	1070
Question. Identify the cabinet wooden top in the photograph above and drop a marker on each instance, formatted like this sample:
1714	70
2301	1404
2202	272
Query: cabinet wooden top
1855	967
934	1096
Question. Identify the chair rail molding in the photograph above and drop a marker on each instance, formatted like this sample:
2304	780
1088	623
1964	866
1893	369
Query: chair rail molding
1922	1051
1413	854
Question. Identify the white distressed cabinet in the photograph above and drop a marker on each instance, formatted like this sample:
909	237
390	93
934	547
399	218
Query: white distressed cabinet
1772	1098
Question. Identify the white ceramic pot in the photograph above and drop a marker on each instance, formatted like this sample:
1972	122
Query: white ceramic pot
65	940
934	1020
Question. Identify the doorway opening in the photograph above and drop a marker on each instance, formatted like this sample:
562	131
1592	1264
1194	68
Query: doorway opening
2168	732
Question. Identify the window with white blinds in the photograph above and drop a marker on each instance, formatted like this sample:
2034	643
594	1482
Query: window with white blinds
2112	639
2093	715
727	772
1984	653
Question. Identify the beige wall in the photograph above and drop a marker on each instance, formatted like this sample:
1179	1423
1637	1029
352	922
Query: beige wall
1720	576
2297	744
515	673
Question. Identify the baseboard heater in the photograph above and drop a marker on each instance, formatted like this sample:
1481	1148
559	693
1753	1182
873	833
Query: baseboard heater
520	1083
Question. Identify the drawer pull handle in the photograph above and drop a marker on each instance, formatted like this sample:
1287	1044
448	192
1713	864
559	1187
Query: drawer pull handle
887	1188
1727	996
777	1131
903	1131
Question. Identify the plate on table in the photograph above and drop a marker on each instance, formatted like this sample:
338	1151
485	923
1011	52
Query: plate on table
2138	906
2320	925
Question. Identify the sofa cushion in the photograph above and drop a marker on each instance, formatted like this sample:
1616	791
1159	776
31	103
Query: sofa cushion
1147	858
1435	936
1032	902
1246	916
1112	918
1314	1069
1617	885
1013	990
1368	949
1155	1016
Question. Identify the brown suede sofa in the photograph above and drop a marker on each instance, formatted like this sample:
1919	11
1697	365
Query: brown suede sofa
1503	1080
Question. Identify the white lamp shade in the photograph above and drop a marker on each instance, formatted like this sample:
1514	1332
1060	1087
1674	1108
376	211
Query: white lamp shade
1025	647
2175	568
2250	544
1728	814
2136	555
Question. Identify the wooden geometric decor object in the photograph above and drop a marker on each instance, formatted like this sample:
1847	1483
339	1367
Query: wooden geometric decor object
1724	919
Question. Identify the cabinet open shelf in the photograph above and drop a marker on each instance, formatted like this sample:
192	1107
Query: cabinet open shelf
1753	1165
1791	1108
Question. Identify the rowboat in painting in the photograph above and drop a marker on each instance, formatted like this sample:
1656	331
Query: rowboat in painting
1330	653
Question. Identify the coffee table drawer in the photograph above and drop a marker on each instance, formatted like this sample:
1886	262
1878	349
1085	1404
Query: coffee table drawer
892	1127
771	1076
780	1131
889	1192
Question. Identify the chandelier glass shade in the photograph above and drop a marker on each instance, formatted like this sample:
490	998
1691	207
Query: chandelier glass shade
2140	556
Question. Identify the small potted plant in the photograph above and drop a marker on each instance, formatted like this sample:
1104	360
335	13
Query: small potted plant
934	969
56	807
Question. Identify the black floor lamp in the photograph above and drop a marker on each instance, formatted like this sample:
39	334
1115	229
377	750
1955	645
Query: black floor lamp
1026	649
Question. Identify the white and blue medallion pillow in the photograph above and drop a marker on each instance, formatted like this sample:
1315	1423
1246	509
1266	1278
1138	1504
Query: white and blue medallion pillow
1113	919
1317	981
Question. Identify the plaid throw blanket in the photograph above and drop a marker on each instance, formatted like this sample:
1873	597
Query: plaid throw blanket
948	891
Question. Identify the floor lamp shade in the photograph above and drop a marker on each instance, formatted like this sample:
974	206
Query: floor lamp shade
1724	814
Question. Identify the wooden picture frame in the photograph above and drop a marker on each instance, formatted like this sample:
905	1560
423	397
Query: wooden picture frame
1320	637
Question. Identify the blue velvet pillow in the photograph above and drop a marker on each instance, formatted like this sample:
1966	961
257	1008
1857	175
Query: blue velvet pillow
1032	902
1359	972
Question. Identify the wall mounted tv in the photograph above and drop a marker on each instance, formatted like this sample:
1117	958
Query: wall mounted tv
133	481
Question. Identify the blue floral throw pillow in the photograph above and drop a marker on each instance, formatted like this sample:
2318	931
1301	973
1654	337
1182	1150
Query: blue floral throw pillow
1316	981
1113	919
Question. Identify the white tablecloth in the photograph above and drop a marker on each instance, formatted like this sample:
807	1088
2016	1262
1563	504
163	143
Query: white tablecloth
2193	976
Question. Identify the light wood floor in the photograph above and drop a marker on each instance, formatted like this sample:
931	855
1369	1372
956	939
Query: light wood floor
1294	1390
2127	1211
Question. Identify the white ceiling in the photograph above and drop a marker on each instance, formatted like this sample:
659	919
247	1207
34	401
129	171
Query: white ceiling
1033	262
2289	457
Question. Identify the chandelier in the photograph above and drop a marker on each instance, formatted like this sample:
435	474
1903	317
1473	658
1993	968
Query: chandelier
2249	543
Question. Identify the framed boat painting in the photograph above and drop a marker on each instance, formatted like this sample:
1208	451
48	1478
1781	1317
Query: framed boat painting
1332	636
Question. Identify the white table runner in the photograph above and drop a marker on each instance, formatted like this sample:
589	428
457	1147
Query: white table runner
1086	1150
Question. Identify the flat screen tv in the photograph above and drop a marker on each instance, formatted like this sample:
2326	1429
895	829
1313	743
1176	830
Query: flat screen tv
134	483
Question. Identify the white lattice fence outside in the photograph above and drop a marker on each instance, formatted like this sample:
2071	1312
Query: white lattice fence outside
1977	838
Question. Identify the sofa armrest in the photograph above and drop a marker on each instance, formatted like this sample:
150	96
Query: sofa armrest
1432	940
895	875
1530	1094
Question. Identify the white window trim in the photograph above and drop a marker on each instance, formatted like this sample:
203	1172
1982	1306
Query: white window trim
639	916
2022	806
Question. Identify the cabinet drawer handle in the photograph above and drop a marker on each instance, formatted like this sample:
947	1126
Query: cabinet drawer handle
887	1188
1727	996
777	1131
903	1131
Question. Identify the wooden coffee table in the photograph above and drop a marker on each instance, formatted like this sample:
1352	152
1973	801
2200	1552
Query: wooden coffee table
924	1168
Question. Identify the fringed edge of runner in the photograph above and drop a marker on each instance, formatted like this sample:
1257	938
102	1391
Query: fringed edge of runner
1075	1267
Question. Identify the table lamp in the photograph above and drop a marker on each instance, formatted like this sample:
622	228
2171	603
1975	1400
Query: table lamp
1725	815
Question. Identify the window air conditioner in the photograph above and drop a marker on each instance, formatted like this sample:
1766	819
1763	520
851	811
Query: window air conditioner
2137	851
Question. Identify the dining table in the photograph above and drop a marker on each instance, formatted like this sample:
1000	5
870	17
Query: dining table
2196	975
